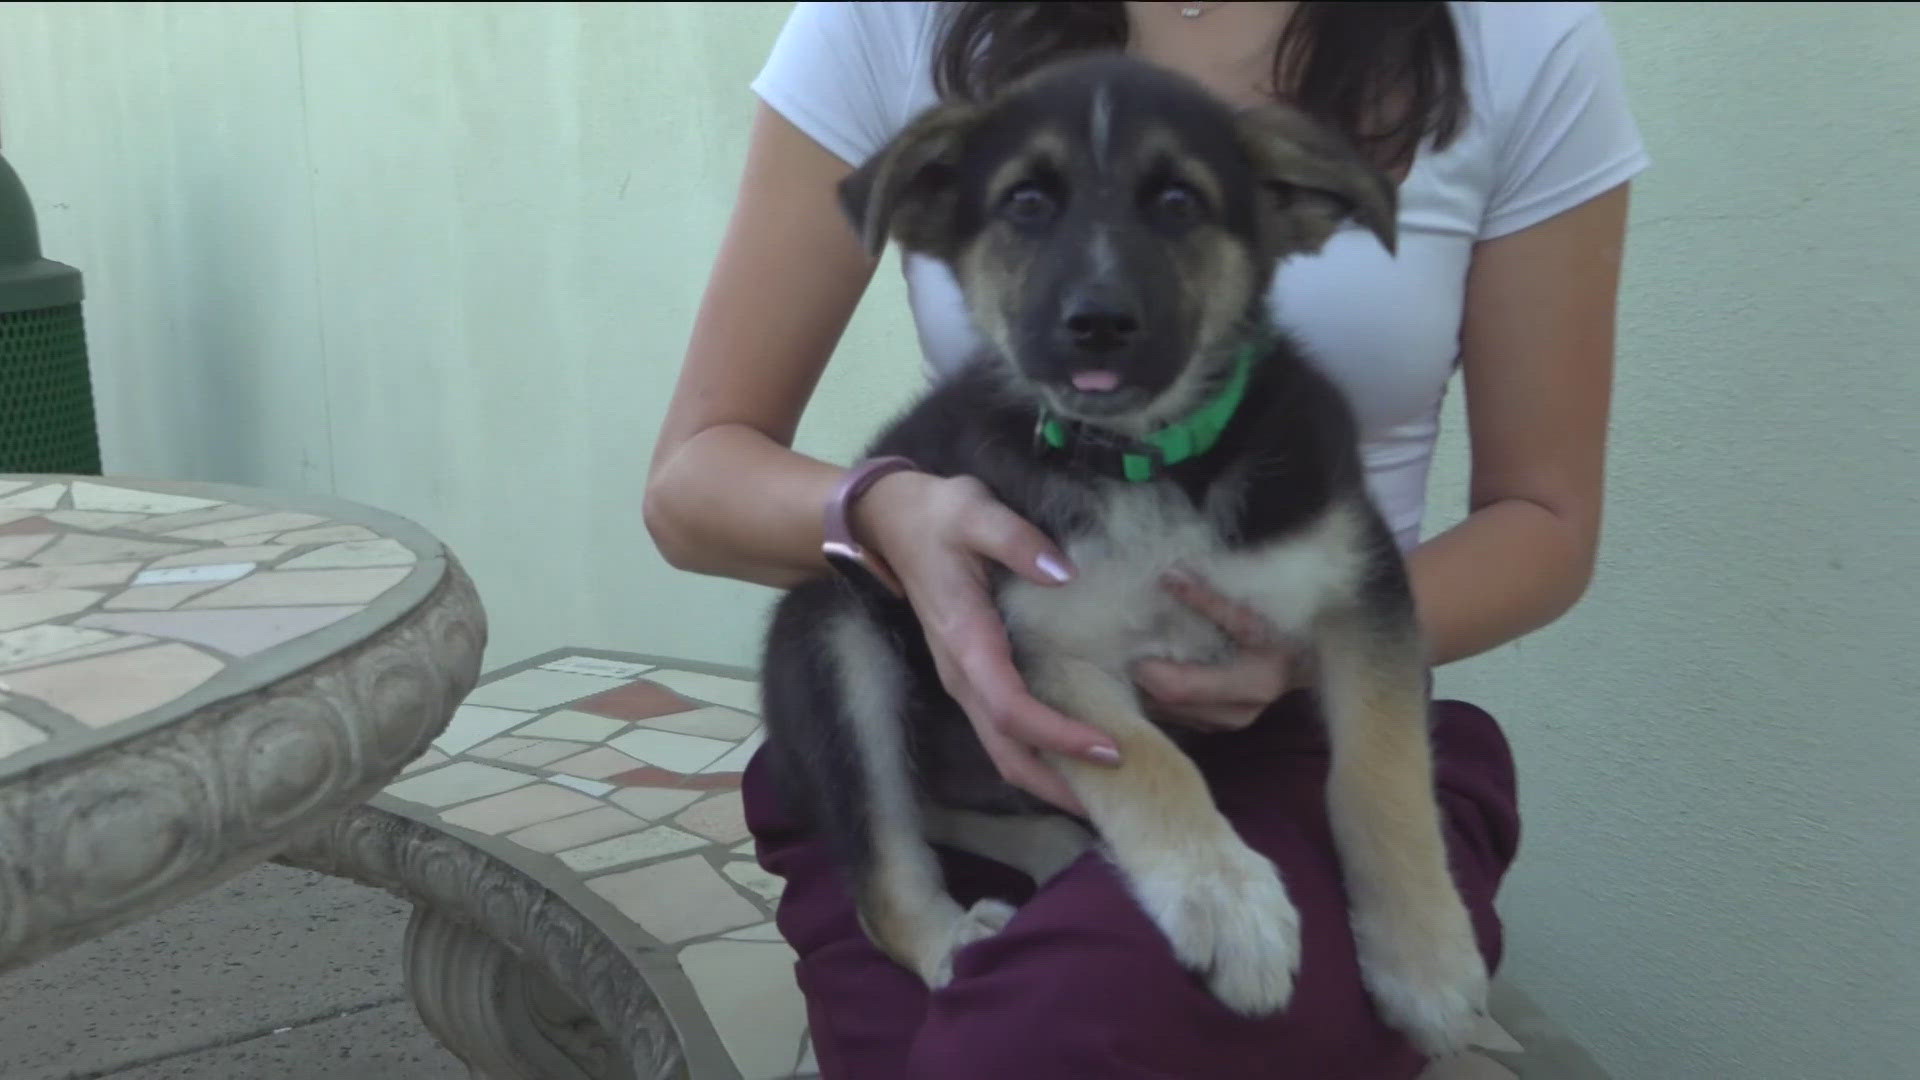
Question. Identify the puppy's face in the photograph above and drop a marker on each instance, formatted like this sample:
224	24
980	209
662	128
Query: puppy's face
1113	226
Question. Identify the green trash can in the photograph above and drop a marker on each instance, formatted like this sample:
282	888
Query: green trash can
46	394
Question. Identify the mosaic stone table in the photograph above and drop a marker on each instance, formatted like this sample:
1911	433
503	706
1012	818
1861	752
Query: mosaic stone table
191	676
587	900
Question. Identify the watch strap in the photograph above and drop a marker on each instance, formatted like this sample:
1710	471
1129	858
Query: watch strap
843	552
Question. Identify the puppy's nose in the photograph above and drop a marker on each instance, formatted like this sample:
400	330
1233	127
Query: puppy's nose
1099	322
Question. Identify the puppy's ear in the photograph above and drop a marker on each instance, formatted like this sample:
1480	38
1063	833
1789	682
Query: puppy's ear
1312	180
906	189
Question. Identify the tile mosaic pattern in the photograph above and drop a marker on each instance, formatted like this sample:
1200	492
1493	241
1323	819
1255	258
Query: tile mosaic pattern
625	776
116	601
641	808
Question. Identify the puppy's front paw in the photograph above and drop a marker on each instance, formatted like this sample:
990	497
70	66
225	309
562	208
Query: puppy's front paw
1425	972
983	920
1228	917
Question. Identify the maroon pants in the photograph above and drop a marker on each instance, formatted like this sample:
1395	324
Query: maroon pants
1080	985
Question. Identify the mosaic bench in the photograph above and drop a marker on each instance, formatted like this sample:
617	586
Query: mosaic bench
587	904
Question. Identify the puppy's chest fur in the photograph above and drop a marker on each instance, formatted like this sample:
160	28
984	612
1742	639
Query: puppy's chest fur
1275	517
1132	535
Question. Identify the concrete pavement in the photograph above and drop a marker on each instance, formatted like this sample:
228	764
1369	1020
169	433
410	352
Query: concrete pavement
280	975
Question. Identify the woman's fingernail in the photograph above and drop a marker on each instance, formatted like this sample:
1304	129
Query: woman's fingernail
1051	565
1105	755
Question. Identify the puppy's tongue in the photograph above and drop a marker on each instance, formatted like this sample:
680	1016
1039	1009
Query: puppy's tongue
1096	380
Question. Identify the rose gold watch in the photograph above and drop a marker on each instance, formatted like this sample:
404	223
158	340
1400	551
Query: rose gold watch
843	552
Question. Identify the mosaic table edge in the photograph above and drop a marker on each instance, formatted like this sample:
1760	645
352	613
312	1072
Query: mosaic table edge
224	790
430	568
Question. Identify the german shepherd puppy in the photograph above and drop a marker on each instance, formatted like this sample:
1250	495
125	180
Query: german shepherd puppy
1114	229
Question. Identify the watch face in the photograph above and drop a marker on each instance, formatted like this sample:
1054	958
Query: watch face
842	556
852	565
850	561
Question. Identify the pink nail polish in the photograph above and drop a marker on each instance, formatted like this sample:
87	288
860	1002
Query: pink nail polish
1105	755
1054	568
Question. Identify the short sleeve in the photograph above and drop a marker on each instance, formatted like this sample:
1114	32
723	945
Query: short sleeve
843	73
1567	132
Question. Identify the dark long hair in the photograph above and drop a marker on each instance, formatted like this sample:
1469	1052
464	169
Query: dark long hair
1387	75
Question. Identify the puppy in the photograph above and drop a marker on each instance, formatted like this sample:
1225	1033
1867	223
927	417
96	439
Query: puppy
1114	230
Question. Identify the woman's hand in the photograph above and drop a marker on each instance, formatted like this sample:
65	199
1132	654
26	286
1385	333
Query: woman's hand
1221	697
936	533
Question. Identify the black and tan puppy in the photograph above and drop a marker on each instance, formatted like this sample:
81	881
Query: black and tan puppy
1114	229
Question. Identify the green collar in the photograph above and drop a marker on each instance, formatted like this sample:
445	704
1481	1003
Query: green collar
1147	457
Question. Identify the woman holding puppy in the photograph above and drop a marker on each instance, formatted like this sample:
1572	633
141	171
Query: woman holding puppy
1507	129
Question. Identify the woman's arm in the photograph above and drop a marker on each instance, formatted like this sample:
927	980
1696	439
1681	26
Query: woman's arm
1537	364
725	493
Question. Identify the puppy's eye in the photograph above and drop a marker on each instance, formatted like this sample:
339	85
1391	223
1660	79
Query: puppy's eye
1029	207
1177	206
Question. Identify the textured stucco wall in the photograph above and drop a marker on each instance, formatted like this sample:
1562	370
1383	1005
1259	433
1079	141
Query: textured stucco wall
442	258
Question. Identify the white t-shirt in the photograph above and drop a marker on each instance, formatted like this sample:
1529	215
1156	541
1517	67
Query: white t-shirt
1548	128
